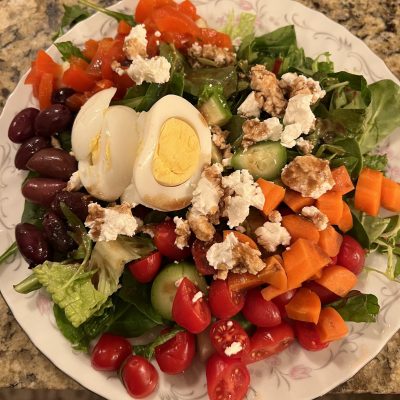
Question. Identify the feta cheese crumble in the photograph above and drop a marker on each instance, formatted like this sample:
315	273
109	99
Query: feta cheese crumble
197	296
305	146
182	231
135	44
318	218
271	235
154	70
296	84
251	106
233	348
290	134
107	223
298	111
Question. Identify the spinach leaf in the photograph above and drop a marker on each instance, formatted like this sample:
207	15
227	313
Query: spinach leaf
357	307
277	42
68	50
72	15
9	252
33	214
116	15
65	140
376	161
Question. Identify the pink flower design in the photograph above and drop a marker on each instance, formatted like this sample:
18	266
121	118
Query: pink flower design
274	361
300	372
245	5
43	303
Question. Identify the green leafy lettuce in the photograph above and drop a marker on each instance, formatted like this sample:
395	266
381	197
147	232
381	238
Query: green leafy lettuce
239	27
68	50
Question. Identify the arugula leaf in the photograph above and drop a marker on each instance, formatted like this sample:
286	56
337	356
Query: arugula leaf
239	27
116	15
68	50
376	161
357	307
72	15
148	350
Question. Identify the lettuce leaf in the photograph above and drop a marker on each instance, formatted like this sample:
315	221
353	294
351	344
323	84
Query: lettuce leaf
239	27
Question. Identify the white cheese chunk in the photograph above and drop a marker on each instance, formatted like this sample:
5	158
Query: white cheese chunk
233	348
153	70
271	235
298	111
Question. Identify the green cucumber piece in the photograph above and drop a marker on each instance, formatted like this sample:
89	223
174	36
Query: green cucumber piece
215	110
234	126
262	160
164	289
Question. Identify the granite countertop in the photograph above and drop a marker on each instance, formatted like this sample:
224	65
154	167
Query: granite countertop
26	26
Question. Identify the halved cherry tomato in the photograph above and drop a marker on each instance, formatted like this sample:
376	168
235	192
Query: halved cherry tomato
194	316
223	302
199	253
325	295
282	300
188	8
225	335
259	311
45	91
110	352
78	79
169	19
227	378
308	337
164	239
176	355
266	342
139	376
351	255
146	269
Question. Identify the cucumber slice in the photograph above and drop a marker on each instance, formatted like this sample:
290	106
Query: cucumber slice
262	160
215	110
234	126
164	289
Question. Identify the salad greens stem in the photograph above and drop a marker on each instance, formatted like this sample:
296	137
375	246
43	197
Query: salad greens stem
8	253
29	284
373	269
336	86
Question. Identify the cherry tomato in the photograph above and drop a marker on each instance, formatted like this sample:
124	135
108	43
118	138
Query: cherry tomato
266	342
224	303
351	255
282	300
225	335
176	355
219	39
259	311
110	352
189	9
164	239
193	316
199	253
325	295
139	376
146	269
308	337
227	378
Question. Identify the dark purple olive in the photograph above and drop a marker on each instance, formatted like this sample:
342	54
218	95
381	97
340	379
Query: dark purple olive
28	149
60	96
53	119
22	127
53	163
42	190
56	232
77	202
31	243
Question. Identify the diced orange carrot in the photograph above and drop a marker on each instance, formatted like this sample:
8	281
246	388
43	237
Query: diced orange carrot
303	260
273	273
368	191
346	222
330	241
331	204
390	196
273	194
300	227
317	275
304	306
270	292
295	201
337	279
343	183
331	325
241	237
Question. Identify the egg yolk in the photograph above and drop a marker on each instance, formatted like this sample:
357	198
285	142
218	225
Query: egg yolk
177	154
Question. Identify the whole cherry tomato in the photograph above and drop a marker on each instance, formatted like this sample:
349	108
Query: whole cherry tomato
351	255
308	337
282	300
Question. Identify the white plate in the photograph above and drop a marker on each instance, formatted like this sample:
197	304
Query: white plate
294	374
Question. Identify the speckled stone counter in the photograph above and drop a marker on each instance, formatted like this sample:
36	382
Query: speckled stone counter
27	25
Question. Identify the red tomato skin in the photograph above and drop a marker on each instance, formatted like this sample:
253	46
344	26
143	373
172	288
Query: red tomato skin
195	317
176	355
351	255
225	332
325	295
164	239
199	250
223	302
266	342
146	269
227	378
77	79
139	376
308	337
260	312
110	352
282	300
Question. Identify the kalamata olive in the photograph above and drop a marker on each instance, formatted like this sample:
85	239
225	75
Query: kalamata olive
60	96
42	190
77	202
56	232
22	127
31	243
53	119
28	149
53	163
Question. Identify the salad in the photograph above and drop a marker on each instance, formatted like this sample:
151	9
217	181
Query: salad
216	190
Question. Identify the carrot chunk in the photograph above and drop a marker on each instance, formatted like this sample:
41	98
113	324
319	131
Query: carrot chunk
368	191
346	222
331	204
242	238
270	292
300	227
273	194
330	241
295	201
331	325
343	183
337	279
390	196
304	306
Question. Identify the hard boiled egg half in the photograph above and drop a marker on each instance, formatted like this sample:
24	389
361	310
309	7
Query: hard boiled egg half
153	158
